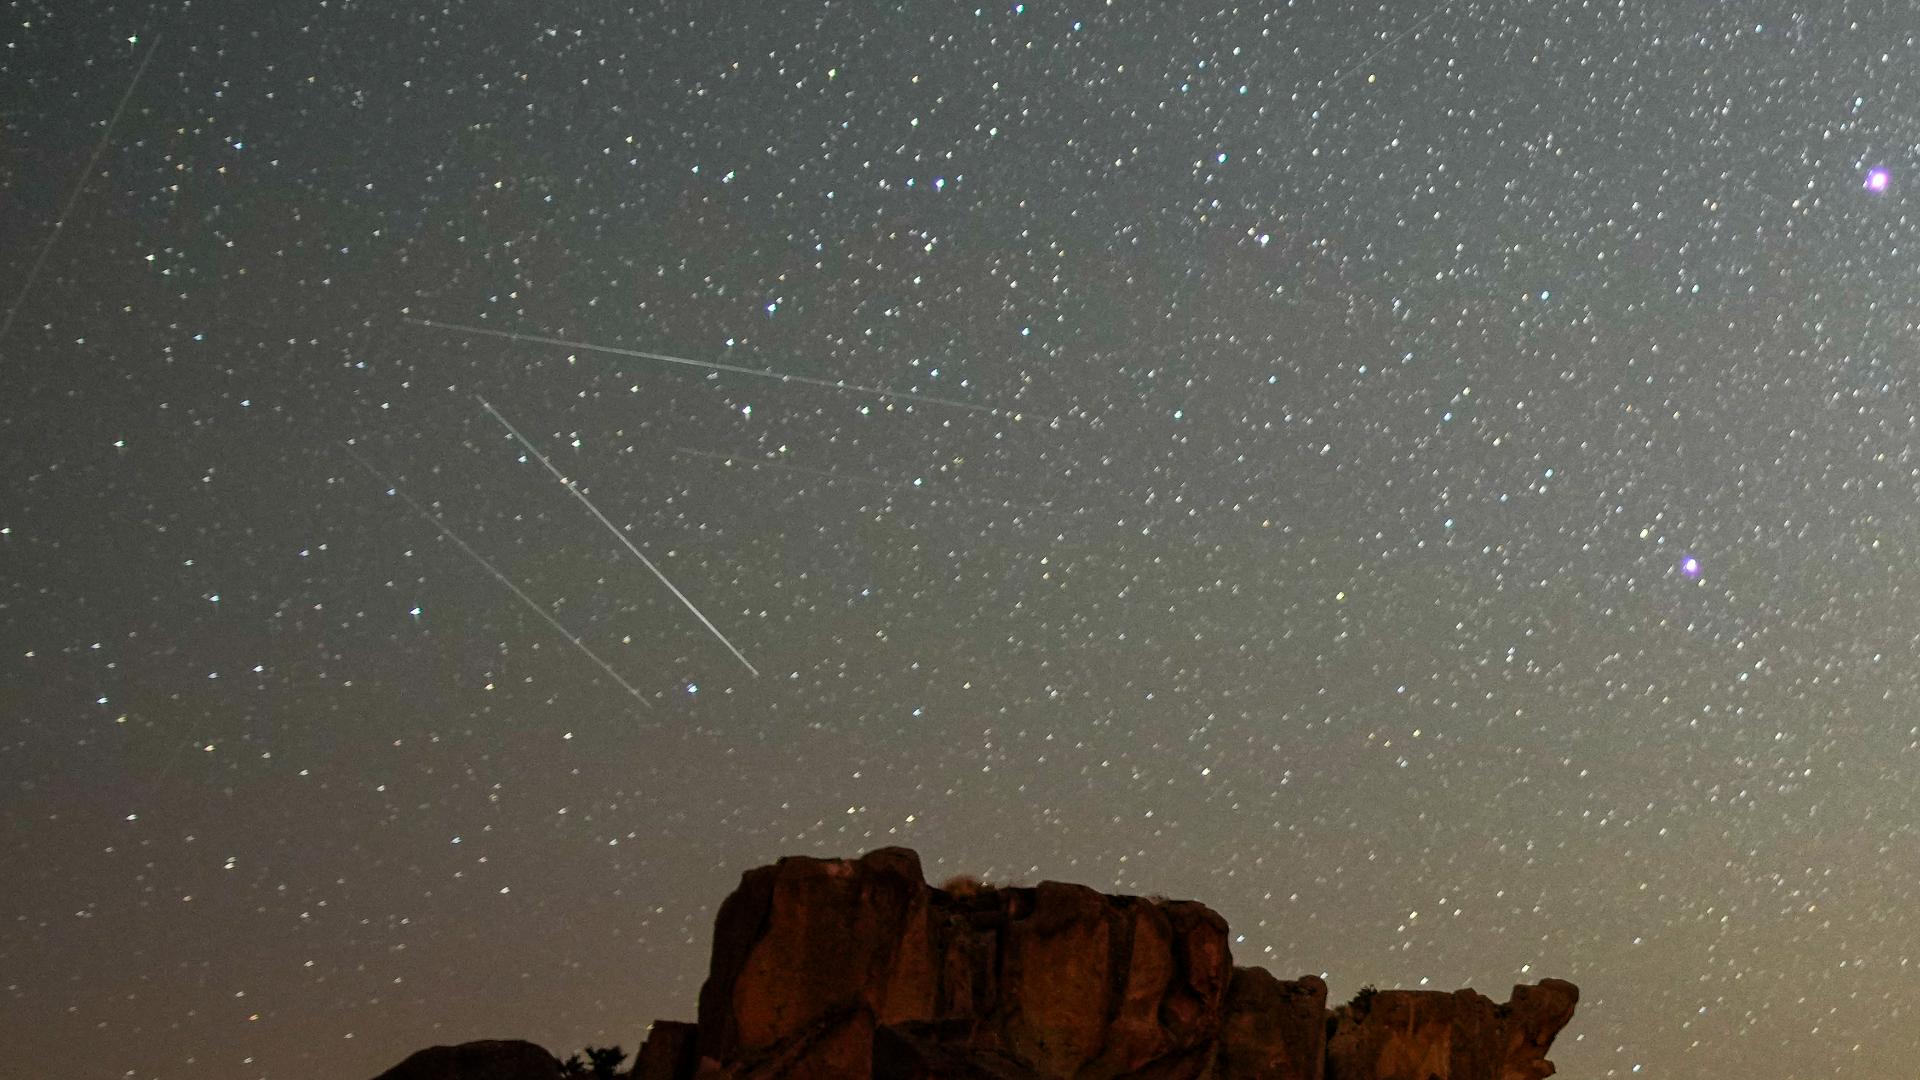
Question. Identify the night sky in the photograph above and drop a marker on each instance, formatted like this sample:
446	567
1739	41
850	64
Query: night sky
1438	483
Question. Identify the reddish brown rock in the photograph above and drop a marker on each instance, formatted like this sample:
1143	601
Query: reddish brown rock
832	1048
670	1051
1535	1015
1274	1030
1429	1035
802	941
850	969
1203	962
492	1059
1054	980
1056	976
857	968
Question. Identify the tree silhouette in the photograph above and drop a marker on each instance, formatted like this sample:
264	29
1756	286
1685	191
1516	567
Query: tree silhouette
605	1059
573	1068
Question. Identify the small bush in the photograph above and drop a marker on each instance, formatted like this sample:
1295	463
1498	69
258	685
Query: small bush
965	885
603	1063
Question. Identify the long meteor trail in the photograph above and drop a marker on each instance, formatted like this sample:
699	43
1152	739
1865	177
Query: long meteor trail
665	358
79	186
498	576
618	535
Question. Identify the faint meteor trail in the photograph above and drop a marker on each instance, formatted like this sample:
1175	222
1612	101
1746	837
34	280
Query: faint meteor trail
80	186
498	576
665	358
618	535
1372	56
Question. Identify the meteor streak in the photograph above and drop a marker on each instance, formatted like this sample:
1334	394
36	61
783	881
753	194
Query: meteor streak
831	384
618	535
79	186
498	576
1370	57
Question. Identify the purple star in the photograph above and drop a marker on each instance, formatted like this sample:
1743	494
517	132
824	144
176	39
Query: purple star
1690	567
1878	179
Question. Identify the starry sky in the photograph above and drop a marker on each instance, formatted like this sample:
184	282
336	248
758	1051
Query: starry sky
1437	483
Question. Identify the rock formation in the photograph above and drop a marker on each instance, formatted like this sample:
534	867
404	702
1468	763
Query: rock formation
493	1059
857	968
831	969
1419	1034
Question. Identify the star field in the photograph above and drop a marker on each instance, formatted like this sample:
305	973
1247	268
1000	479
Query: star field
1435	483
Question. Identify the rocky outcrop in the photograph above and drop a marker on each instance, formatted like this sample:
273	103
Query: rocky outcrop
848	969
1274	1028
813	958
1422	1034
494	1059
835	968
671	1050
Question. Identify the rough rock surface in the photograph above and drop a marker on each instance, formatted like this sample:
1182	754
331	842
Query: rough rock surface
1274	1028
671	1050
812	957
1429	1035
836	968
492	1059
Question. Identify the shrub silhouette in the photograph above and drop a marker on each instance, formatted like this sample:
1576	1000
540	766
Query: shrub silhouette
966	885
605	1060
1362	1002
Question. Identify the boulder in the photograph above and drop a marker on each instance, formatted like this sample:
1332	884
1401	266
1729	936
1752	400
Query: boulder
493	1059
671	1050
1053	980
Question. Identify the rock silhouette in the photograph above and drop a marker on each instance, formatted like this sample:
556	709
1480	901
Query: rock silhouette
493	1059
828	969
